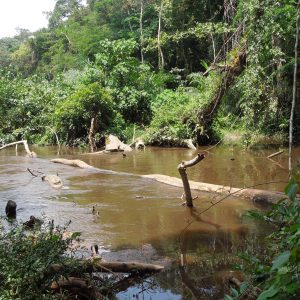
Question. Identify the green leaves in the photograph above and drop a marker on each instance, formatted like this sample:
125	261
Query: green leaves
291	189
280	260
25	260
279	268
268	294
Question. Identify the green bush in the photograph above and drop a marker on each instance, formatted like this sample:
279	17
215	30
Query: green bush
26	258
73	115
277	270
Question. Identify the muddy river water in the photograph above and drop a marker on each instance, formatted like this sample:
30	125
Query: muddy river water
140	219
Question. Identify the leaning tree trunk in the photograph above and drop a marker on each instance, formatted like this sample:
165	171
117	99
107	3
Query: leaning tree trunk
206	114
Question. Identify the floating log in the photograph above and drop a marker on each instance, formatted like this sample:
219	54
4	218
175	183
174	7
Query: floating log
24	142
256	195
189	144
275	154
72	162
113	144
53	180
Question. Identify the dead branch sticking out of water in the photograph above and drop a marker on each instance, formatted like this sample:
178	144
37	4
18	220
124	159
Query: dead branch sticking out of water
113	144
275	154
182	171
24	142
53	180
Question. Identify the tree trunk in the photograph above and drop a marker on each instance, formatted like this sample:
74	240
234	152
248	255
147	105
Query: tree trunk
91	135
161	61
206	114
294	90
182	171
141	32
72	162
118	267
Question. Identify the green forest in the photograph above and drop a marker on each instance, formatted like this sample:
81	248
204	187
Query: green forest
169	69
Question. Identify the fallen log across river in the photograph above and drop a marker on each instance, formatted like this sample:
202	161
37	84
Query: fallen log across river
255	195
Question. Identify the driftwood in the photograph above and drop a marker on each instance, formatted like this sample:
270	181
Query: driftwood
185	182
24	142
113	144
138	144
53	180
117	267
189	144
78	288
82	286
256	195
72	162
275	154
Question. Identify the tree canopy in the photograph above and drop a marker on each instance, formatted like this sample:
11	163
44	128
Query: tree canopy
143	52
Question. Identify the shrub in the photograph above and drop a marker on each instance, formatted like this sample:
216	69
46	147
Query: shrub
73	116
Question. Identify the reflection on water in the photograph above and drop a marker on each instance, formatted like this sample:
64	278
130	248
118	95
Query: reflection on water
141	219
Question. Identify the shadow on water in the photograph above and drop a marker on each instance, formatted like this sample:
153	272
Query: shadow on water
143	220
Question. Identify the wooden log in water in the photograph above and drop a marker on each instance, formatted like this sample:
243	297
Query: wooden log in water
53	180
111	266
275	154
72	162
24	142
256	195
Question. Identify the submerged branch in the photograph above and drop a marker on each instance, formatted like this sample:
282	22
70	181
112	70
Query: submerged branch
24	142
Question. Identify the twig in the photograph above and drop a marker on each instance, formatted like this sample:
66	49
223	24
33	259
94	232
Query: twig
275	154
32	172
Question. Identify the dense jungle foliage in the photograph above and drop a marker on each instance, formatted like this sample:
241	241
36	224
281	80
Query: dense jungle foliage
273	267
174	69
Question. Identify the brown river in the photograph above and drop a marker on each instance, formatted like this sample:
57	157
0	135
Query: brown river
143	220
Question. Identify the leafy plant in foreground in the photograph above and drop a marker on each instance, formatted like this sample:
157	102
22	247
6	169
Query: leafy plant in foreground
26	258
278	272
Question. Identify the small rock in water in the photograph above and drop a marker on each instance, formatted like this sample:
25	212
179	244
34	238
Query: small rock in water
11	209
33	221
